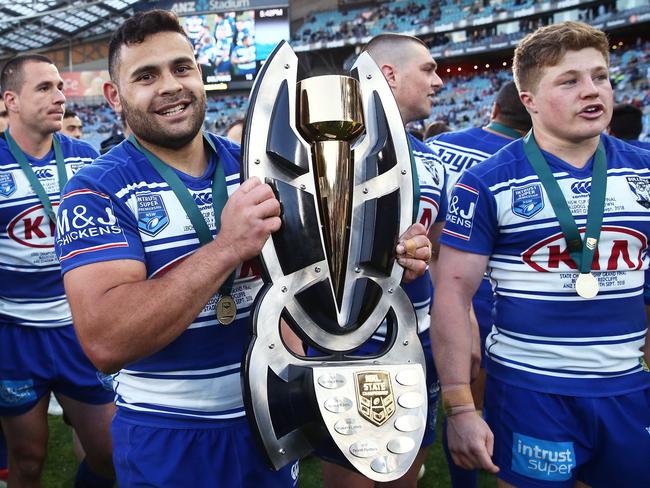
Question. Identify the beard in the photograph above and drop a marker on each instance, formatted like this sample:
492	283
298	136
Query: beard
146	126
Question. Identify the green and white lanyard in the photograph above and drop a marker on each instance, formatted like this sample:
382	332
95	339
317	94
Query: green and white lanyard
226	308
21	159
581	251
503	130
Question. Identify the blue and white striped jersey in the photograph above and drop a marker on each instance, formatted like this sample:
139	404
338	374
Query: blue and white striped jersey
120	208
545	336
432	208
31	289
460	150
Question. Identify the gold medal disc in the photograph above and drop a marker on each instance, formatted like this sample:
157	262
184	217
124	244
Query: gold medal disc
226	309
587	285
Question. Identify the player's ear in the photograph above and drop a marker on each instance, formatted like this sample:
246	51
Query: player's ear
495	111
11	100
528	100
111	95
390	74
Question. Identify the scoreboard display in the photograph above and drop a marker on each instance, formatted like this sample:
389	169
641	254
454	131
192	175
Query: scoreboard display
231	39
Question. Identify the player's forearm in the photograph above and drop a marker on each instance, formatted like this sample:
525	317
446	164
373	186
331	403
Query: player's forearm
451	337
138	318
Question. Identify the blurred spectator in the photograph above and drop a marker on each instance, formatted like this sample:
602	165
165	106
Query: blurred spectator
627	124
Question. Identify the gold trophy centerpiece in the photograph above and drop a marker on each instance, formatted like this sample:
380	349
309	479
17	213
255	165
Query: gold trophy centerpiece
336	154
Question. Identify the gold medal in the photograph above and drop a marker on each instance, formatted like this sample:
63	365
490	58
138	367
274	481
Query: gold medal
226	309
587	285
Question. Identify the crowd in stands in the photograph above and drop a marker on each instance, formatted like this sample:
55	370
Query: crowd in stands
390	17
398	16
464	101
410	15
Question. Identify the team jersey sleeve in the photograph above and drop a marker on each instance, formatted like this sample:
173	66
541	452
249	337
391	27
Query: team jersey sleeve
471	223
646	288
93	226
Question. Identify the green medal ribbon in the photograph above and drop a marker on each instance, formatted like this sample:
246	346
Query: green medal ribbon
582	252
21	159
219	197
503	130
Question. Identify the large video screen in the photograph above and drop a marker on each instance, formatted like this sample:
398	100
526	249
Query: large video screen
230	47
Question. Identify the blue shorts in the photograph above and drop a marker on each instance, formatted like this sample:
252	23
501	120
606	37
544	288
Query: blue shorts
548	440
35	361
226	455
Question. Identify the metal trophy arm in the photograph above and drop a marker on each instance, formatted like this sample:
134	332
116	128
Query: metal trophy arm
335	151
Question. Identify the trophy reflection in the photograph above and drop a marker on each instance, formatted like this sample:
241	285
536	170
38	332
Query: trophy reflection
335	152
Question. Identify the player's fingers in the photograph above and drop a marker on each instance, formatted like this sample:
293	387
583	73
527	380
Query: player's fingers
259	194
460	459
416	229
483	460
417	266
418	247
489	444
272	224
249	184
268	208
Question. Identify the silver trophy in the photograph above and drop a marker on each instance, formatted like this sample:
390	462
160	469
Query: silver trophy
336	154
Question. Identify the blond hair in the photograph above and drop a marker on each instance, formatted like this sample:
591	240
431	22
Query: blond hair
547	45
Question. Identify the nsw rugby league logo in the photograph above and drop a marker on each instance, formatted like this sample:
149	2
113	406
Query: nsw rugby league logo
641	189
7	184
527	201
152	214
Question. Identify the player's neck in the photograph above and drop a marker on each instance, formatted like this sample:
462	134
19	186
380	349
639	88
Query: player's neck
191	159
489	129
32	143
576	153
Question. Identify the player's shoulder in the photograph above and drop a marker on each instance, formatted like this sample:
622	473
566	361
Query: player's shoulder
5	154
507	163
112	169
622	152
76	147
418	146
229	152
455	137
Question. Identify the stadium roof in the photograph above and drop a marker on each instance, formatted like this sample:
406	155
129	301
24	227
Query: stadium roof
35	24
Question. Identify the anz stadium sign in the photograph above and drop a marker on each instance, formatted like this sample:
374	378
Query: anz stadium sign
188	7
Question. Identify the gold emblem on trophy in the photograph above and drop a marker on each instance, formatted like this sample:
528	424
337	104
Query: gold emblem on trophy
375	399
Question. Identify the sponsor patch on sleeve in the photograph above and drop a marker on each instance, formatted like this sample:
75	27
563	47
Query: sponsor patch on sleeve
460	211
87	223
541	459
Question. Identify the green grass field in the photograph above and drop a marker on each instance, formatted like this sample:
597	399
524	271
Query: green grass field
61	464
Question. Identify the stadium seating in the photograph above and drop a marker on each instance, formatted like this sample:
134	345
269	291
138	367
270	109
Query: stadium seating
464	101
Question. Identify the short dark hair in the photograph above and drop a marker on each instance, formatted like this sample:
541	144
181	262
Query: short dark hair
627	122
69	113
136	29
389	47
12	78
511	111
